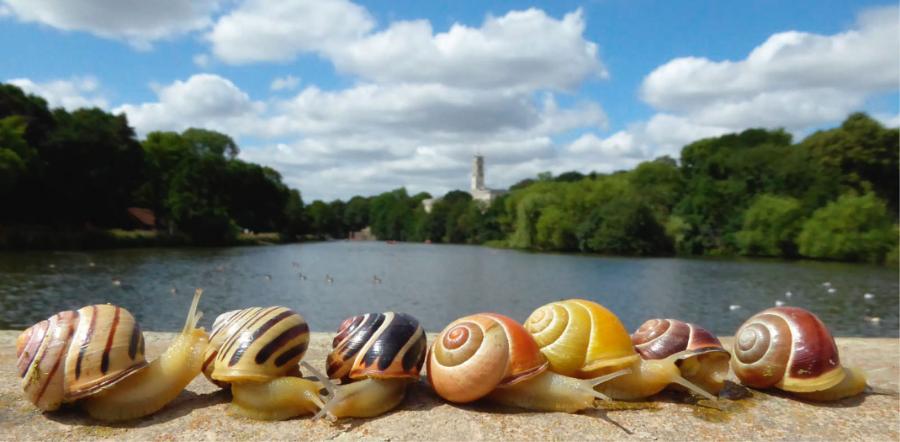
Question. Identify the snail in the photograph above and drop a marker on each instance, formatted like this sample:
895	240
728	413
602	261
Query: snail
95	356
375	356
491	355
705	364
583	339
791	349
255	352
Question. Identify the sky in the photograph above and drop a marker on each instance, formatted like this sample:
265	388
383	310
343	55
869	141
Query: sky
357	98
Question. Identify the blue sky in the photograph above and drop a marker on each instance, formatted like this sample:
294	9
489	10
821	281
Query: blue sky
348	98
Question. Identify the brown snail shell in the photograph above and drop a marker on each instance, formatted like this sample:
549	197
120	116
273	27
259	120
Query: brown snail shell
705	361
255	344
788	348
75	354
377	345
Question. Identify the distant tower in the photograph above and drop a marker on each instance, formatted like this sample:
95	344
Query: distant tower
478	173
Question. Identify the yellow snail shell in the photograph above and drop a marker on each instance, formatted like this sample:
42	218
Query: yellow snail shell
583	339
74	354
791	349
255	344
375	356
705	361
255	351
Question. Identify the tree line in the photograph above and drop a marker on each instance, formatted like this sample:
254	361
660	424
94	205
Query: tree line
78	172
833	195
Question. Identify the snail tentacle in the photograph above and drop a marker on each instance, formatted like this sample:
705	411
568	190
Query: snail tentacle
583	339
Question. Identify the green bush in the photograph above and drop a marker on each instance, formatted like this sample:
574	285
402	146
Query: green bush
853	228
770	226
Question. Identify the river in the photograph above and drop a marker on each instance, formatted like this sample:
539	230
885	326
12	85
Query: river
327	282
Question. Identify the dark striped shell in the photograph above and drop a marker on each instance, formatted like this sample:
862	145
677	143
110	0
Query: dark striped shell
74	354
788	348
661	338
255	344
377	345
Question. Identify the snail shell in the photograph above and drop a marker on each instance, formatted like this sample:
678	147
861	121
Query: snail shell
704	361
75	354
581	337
659	338
377	345
255	344
788	348
476	354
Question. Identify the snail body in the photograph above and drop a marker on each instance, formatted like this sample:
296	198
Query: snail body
491	355
375	356
95	356
789	348
255	352
705	361
583	339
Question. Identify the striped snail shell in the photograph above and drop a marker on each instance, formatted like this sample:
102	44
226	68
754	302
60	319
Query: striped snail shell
704	361
476	354
788	348
255	344
579	337
75	354
377	345
659	338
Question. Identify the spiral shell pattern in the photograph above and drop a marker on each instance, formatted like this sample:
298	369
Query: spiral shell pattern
255	344
476	354
581	338
660	338
786	347
74	354
377	345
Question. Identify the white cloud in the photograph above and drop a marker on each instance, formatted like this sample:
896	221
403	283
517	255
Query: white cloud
522	49
140	22
203	100
70	94
277	30
793	79
286	83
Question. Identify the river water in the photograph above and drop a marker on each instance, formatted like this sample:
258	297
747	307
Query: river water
327	282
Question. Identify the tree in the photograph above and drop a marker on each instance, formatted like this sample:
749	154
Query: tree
91	153
771	225
295	220
853	228
197	205
15	155
865	153
208	142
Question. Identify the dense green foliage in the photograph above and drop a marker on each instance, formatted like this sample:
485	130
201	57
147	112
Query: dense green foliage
752	193
833	195
79	171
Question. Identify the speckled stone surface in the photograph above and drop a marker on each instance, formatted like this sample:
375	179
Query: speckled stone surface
201	413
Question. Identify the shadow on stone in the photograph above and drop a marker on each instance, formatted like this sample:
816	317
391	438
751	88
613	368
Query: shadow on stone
184	404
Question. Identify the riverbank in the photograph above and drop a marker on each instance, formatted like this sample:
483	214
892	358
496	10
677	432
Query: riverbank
46	238
201	412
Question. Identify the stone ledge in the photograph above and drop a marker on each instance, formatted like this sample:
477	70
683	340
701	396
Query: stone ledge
200	413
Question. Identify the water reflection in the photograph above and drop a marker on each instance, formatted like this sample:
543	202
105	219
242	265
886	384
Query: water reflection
327	282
